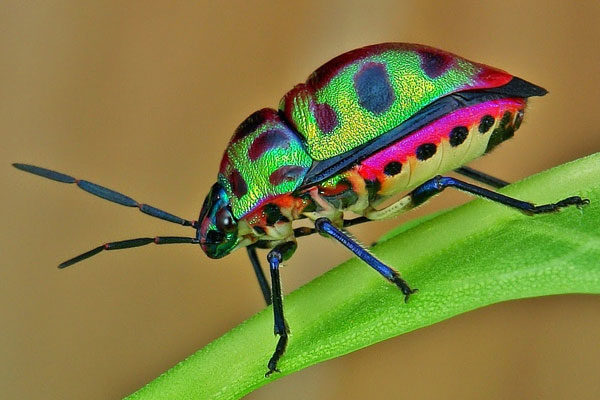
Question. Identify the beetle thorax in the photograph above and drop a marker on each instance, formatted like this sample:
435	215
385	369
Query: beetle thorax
264	159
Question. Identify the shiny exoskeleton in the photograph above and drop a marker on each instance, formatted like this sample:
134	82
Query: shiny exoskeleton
365	127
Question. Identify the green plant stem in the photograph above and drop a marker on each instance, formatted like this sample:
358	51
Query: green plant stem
469	257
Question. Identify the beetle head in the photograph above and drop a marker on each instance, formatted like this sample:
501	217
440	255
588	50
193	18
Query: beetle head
217	227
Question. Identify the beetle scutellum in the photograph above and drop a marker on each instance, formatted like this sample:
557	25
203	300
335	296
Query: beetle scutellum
366	126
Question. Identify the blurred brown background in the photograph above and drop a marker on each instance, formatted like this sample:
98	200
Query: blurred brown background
143	98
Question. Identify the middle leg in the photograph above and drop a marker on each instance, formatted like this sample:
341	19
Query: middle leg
324	225
275	257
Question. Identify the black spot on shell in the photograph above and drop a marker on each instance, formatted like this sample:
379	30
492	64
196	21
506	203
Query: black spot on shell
392	168
458	135
238	184
425	151
373	88
487	121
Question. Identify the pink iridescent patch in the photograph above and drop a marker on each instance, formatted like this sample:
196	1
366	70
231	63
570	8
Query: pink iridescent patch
440	129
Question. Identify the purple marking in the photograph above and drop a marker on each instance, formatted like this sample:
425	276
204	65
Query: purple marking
238	184
323	75
326	117
373	87
435	64
251	123
287	173
271	139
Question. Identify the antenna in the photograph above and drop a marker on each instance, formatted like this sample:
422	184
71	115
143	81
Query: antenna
104	193
127	244
119	198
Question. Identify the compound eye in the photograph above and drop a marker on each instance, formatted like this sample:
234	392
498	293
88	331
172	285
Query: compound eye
224	221
214	236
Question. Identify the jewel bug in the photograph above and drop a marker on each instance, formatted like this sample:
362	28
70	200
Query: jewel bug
365	127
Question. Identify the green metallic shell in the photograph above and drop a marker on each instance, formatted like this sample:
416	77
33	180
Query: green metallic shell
347	102
265	158
365	93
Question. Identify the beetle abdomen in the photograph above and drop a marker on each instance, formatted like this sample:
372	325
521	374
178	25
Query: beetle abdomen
445	144
364	93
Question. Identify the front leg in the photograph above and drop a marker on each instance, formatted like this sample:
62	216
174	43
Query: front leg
281	252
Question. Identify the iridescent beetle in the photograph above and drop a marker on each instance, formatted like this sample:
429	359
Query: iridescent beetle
367	125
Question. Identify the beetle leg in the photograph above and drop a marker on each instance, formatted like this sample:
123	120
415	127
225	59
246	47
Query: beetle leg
260	275
275	257
481	177
305	231
405	203
438	183
324	225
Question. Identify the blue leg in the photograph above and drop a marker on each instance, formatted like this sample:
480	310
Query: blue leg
438	183
324	225
275	257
